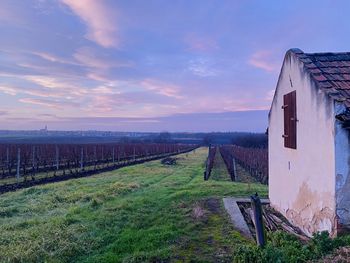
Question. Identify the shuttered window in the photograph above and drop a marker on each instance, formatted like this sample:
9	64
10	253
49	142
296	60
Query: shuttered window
290	120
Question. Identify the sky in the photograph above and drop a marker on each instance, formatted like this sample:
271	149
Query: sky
181	65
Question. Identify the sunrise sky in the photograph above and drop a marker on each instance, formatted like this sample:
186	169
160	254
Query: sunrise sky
154	65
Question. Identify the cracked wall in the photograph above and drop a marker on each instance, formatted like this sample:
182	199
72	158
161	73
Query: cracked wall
312	211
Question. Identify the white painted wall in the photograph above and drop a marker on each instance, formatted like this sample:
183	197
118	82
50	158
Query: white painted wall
302	181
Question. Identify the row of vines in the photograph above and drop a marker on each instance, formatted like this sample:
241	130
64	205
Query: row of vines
229	160
253	160
209	162
24	163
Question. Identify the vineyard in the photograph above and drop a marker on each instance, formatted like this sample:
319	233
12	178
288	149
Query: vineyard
252	160
209	162
25	165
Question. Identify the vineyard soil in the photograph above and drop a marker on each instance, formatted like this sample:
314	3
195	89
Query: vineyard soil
142	213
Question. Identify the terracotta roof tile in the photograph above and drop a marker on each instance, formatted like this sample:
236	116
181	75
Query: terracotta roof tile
310	65
315	70
319	77
325	85
331	72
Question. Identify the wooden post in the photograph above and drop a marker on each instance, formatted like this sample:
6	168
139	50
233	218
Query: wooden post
8	159
18	163
258	220
113	155
33	157
33	162
82	159
206	173
57	158
234	169
95	157
118	155
7	155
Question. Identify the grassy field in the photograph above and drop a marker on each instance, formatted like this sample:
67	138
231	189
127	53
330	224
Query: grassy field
143	213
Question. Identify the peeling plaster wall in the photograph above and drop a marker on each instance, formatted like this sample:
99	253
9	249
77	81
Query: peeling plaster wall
302	181
342	185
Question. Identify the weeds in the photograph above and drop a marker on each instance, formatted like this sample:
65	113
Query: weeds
284	248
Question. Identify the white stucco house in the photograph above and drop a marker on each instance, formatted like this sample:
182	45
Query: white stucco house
309	146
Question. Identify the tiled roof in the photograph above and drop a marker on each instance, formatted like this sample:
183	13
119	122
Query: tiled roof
331	72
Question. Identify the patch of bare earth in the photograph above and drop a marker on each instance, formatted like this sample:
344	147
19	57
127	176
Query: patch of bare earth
198	212
201	210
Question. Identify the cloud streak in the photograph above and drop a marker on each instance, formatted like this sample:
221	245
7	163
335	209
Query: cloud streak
99	19
47	102
162	88
53	58
201	43
263	60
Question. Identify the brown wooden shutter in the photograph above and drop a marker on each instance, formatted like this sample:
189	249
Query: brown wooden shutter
290	120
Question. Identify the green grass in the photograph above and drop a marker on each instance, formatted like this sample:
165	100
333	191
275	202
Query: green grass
28	177
219	171
143	213
244	175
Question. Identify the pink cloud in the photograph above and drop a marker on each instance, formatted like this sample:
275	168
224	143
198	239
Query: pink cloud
47	103
99	19
263	59
38	91
162	88
104	90
57	85
91	58
53	58
102	104
9	90
200	43
97	76
40	102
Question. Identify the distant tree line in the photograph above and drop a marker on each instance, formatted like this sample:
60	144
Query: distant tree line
244	139
250	140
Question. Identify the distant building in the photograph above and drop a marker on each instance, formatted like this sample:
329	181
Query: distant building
44	130
309	142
